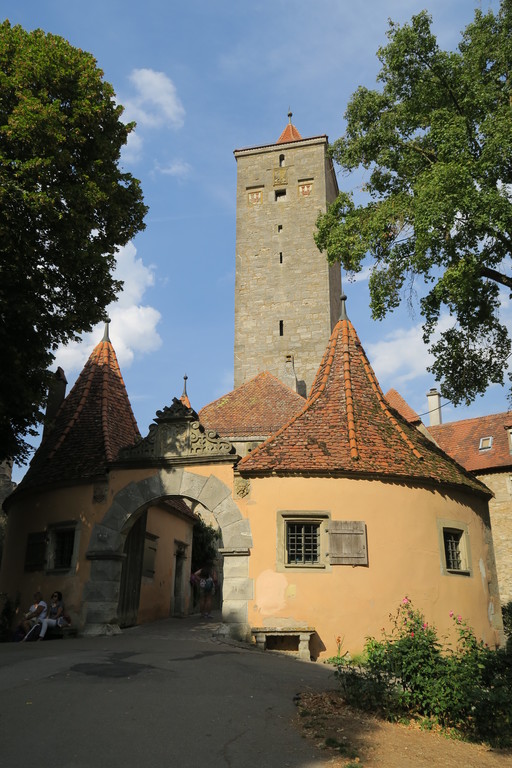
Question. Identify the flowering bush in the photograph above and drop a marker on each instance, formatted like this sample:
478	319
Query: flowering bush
409	672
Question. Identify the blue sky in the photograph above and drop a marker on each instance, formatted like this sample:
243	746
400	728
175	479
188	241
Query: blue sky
203	79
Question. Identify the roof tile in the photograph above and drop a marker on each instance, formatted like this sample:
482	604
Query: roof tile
92	424
346	426
258	407
461	440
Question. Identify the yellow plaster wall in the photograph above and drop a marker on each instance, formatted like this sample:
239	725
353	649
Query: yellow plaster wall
157	594
404	559
35	513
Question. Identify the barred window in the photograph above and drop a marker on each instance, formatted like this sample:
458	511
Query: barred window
61	546
454	543
302	543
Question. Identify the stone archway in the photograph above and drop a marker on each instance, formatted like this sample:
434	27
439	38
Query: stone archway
101	593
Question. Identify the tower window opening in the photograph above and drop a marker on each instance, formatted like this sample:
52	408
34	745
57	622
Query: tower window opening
281	161
279	227
280	195
281	327
280	258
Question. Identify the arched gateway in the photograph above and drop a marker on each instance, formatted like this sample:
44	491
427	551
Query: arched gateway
176	439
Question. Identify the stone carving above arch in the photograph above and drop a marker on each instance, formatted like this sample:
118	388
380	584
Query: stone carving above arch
177	435
107	543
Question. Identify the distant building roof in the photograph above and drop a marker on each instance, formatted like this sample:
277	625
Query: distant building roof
346	427
259	407
397	402
92	424
480	444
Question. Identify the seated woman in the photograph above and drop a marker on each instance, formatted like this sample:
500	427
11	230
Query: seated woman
35	615
56	616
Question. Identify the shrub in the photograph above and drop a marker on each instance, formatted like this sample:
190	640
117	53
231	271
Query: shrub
409	672
506	611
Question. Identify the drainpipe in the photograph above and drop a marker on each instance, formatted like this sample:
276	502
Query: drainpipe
434	407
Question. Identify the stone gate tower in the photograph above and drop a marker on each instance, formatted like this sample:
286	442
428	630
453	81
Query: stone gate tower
287	298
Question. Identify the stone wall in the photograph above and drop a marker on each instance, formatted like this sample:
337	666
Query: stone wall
500	508
287	298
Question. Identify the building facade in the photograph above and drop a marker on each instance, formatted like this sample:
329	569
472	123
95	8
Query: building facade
287	298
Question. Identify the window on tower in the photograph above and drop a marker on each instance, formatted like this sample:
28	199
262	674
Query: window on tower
281	161
281	327
280	195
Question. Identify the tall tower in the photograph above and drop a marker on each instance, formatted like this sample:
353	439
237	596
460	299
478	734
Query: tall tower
287	297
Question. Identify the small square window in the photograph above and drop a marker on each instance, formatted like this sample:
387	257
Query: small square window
455	549
61	547
280	195
302	543
485	443
301	540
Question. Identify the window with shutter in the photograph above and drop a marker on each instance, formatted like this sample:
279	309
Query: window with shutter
302	539
347	542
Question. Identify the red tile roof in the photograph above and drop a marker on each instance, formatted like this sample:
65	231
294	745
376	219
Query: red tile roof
397	402
346	427
461	439
290	133
92	424
259	407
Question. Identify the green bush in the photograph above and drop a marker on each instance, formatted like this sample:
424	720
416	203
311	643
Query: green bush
506	611
409	672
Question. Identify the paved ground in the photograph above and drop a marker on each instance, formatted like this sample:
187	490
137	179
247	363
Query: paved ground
166	694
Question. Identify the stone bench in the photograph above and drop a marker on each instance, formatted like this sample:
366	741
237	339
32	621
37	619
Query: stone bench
303	635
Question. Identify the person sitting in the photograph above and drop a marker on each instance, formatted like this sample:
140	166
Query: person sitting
33	617
56	616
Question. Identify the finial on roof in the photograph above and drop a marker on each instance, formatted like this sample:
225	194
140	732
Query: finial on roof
343	313
290	115
105	332
185	386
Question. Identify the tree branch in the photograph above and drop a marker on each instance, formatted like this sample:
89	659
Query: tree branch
498	277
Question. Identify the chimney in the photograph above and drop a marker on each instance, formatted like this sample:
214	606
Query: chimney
288	375
434	407
56	394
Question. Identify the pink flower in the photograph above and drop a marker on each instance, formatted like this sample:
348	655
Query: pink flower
459	619
412	634
425	625
405	601
451	614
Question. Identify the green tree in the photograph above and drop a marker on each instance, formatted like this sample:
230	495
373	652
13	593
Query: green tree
435	143
65	206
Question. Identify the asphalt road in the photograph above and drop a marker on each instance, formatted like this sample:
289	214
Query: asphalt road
165	694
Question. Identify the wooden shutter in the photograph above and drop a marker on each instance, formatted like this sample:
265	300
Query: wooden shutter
347	542
35	553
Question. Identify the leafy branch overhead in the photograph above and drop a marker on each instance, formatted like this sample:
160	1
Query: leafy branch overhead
65	208
436	145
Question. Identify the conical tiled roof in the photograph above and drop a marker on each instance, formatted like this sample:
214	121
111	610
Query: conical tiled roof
259	407
397	402
290	133
93	423
347	428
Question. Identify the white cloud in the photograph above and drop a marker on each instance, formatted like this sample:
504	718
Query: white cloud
401	356
156	102
178	168
133	326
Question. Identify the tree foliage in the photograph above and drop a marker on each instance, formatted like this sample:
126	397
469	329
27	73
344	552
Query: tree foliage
65	206
435	143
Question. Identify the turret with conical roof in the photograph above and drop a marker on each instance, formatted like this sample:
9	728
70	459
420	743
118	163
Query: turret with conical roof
348	428
92	424
286	294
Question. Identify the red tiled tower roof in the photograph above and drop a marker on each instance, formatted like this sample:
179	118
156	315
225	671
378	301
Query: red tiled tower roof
462	441
92	424
290	133
347	428
259	407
